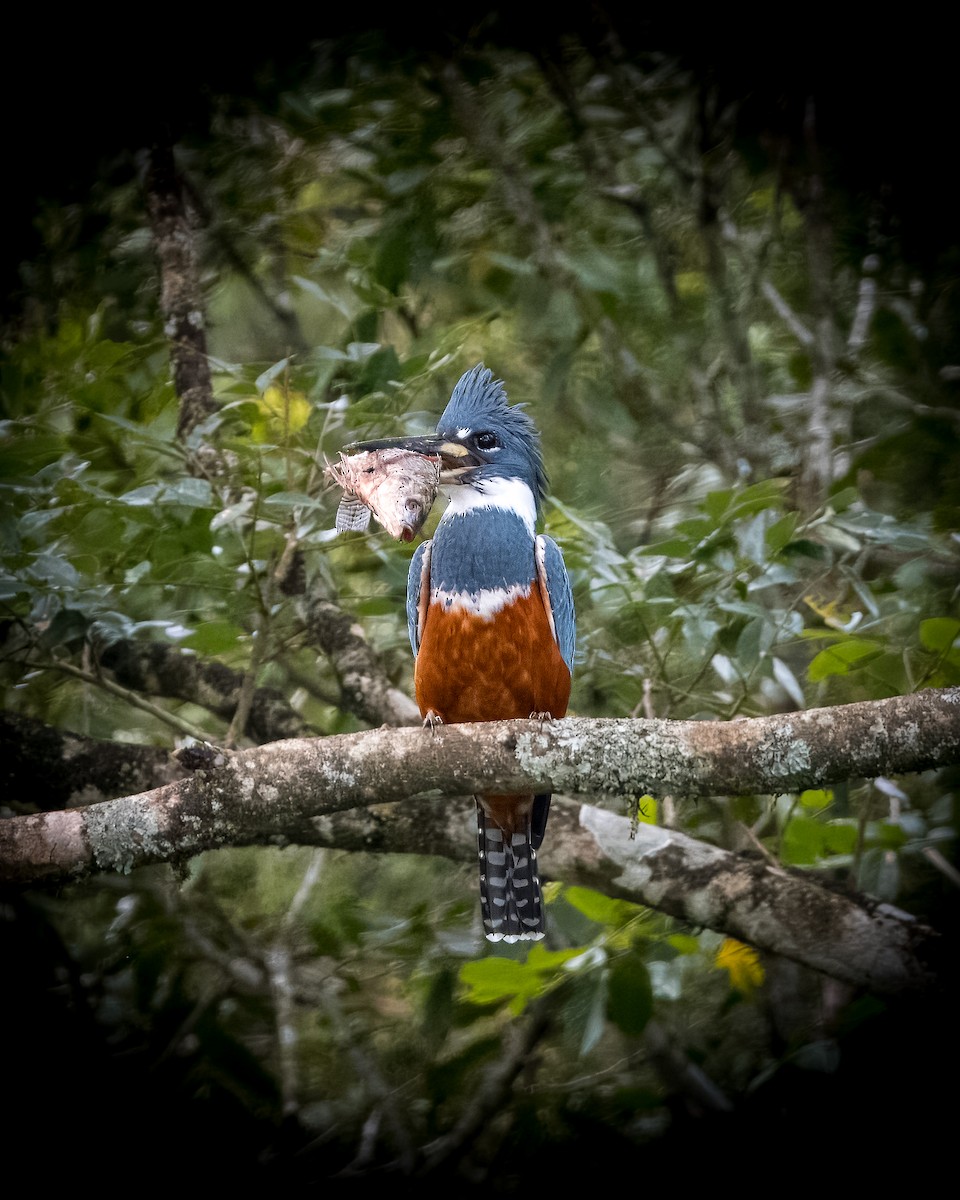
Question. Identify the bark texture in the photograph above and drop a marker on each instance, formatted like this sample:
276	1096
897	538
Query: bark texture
181	296
159	670
366	689
293	791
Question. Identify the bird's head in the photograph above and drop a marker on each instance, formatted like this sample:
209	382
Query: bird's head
481	441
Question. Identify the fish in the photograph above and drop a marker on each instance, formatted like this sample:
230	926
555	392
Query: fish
398	486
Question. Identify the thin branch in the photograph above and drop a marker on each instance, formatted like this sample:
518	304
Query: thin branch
866	306
128	697
163	670
787	315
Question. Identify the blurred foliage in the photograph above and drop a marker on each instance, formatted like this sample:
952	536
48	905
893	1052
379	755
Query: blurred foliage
750	422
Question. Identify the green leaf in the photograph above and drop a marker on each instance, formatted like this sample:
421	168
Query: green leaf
788	681
671	548
841	501
696	529
270	374
192	493
602	909
716	504
751	540
768	493
327	297
939	633
842	658
233	515
54	571
290	500
214	637
629	995
11	586
887	834
145	496
749	643
781	532
807	840
584	1010
840	539
496	979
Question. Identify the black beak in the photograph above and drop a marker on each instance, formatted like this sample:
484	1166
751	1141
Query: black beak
454	457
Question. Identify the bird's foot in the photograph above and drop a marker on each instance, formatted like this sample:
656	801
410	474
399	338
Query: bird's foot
542	717
432	720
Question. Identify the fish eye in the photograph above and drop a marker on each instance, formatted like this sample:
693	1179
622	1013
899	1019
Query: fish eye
486	441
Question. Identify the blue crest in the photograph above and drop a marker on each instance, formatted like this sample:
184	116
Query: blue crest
479	404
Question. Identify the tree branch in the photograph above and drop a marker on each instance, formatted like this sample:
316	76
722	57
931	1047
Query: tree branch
51	768
161	670
367	690
292	791
181	297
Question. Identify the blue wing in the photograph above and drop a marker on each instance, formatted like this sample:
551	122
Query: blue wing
418	593
558	596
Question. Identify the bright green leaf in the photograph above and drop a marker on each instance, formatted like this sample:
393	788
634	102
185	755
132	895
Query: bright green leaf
842	658
214	637
816	798
939	633
602	909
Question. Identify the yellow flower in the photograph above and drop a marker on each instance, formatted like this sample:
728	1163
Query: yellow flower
742	964
283	413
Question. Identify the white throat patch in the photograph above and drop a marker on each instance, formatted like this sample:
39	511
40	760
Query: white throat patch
509	495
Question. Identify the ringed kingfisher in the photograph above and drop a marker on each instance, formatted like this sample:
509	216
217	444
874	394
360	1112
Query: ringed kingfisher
491	620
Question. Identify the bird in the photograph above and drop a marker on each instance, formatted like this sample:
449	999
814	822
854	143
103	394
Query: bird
490	616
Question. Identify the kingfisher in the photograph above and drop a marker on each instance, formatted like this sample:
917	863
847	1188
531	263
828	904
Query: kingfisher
491	619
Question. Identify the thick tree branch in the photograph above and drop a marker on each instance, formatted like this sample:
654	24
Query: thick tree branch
860	941
51	768
181	297
276	790
291	791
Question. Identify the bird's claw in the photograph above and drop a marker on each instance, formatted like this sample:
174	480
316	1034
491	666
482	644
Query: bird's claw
432	720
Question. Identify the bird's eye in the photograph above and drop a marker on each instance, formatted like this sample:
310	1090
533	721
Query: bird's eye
487	441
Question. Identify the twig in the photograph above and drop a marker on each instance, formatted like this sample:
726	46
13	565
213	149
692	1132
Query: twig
942	865
787	315
128	697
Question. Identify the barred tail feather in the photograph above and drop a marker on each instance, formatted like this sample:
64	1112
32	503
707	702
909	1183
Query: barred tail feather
510	898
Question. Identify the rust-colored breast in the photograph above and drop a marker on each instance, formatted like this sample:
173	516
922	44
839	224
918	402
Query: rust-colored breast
472	669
